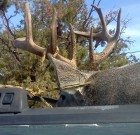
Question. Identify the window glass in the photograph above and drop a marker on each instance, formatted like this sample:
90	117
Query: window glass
73	129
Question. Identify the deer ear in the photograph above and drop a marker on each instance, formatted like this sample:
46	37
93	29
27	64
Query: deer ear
67	75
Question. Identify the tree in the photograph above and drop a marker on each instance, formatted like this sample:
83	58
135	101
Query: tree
63	42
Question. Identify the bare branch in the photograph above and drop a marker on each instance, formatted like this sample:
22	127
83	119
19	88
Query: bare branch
89	15
12	53
7	23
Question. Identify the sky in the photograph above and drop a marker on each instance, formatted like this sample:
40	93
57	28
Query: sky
130	9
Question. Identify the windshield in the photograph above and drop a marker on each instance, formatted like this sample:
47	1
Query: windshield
73	58
73	129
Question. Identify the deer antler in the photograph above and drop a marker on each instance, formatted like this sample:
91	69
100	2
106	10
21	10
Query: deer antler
95	59
27	43
72	59
53	47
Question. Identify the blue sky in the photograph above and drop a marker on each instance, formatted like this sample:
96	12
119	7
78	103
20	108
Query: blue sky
130	8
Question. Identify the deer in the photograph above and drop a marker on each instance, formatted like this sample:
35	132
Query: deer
78	88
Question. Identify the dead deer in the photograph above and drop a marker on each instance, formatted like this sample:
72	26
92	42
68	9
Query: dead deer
114	86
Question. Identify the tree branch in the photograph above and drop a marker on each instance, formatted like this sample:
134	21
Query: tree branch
7	22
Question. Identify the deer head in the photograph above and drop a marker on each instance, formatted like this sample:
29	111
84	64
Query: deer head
66	69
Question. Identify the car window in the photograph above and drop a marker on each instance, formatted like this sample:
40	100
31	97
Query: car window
73	129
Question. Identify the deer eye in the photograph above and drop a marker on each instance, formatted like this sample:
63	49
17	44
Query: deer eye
63	97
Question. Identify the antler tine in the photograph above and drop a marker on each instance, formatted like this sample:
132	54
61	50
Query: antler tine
91	52
117	33
73	44
53	47
27	43
28	21
72	60
98	10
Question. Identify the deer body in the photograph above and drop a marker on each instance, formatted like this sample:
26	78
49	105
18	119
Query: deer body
114	86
